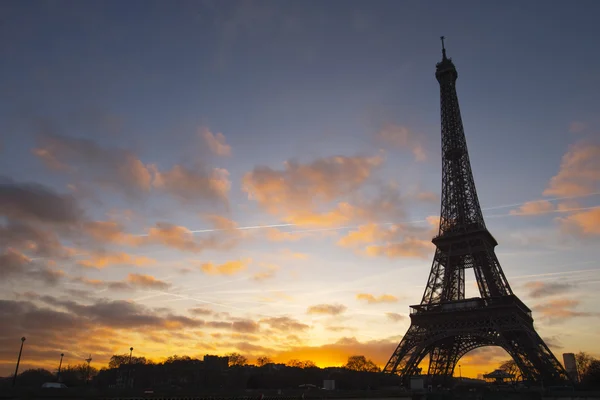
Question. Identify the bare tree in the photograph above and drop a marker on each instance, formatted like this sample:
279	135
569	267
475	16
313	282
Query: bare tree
237	360
583	361
360	363
262	361
511	368
300	364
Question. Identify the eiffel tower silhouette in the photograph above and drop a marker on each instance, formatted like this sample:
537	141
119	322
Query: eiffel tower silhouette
445	325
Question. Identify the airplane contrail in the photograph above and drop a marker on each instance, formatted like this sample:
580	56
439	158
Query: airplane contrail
409	222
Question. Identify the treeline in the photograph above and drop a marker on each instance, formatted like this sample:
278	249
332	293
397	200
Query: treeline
184	372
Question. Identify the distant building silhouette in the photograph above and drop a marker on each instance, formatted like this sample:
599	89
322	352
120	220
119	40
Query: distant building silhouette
571	366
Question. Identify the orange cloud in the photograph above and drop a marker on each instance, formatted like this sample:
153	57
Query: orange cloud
110	232
582	223
534	207
110	167
328	309
543	289
147	281
369	298
191	185
579	172
268	272
390	241
298	192
402	137
560	309
228	268
216	143
103	259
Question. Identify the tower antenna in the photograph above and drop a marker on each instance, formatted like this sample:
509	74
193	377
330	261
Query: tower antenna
443	47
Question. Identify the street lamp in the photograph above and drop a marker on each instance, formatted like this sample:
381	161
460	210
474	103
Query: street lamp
18	361
460	372
59	365
130	379
87	378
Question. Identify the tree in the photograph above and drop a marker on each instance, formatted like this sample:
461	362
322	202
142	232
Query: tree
592	375
35	377
237	360
123	359
295	363
176	358
511	367
583	361
262	361
360	363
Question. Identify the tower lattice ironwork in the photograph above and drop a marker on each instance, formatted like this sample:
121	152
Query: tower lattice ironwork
445	325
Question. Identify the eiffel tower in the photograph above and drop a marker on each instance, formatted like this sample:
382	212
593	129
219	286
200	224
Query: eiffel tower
445	325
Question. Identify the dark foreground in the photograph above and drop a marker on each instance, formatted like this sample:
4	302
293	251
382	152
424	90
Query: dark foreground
479	394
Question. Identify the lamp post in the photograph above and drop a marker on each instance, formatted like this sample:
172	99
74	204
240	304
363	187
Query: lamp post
18	361
87	377
460	372
130	379
59	365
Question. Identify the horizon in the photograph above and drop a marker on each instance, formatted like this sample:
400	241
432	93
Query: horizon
264	177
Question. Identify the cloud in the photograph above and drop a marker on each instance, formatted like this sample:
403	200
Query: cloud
121	170
15	266
533	208
110	232
32	239
132	282
579	172
201	311
583	223
268	272
328	309
369	298
392	241
285	324
114	168
103	259
181	238
240	325
146	282
298	191
543	289
403	138
558	310
191	186
37	203
395	316
122	314
216	143
228	268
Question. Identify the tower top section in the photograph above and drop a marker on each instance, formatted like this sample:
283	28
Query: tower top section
445	69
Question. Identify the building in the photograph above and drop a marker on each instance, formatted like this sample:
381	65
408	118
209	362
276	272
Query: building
215	363
571	366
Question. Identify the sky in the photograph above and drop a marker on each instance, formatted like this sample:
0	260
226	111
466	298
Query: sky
263	177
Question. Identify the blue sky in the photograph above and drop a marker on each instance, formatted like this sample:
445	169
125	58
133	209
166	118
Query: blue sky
114	105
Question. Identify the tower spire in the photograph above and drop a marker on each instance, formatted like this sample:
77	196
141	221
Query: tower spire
443	47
